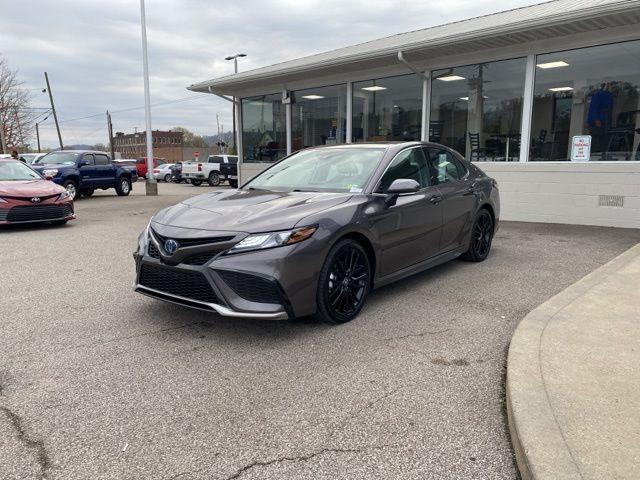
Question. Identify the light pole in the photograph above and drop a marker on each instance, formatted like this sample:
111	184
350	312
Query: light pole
151	185
235	70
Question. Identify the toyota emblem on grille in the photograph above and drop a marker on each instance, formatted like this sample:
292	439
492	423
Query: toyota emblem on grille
170	246
35	200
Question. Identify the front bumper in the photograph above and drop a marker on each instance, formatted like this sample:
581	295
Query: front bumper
23	212
265	284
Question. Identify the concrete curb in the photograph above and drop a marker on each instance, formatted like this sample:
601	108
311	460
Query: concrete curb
539	440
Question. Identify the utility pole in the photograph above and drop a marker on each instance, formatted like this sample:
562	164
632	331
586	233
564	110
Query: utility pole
38	137
53	109
110	133
235	70
3	142
151	185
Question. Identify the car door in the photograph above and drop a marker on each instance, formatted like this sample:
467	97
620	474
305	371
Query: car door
87	171
458	196
409	230
104	170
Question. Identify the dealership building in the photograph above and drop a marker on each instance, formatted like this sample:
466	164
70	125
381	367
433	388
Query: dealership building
545	98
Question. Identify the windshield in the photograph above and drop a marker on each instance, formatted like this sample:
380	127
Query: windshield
64	158
331	169
17	171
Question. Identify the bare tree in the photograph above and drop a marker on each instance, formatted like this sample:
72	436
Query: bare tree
16	116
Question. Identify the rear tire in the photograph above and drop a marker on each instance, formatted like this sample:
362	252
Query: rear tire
233	183
481	237
72	187
214	179
344	283
123	187
167	178
196	183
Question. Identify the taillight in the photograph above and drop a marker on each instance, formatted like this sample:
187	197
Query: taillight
156	170
199	167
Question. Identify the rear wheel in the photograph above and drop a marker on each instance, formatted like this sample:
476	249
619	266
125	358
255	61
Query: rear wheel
344	283
123	187
167	178
214	179
233	183
72	187
481	237
196	183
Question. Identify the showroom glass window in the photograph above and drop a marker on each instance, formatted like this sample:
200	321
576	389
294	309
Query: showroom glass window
477	109
589	91
387	109
318	117
264	137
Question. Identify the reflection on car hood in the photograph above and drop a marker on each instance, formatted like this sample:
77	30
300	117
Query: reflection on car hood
247	210
29	188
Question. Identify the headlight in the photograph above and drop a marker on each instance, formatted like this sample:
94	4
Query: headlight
260	241
50	172
64	195
2	200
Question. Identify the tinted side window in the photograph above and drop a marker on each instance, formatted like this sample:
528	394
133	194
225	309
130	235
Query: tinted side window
89	158
409	163
444	167
101	159
216	159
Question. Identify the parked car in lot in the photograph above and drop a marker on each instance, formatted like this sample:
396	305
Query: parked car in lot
81	172
26	197
141	165
31	157
214	170
315	232
162	173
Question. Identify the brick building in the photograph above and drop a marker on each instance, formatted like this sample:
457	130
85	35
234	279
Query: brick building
167	145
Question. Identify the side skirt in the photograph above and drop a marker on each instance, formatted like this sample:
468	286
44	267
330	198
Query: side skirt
419	267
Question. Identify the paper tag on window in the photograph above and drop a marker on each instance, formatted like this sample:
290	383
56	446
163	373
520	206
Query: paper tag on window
355	190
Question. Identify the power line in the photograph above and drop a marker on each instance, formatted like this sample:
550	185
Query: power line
160	104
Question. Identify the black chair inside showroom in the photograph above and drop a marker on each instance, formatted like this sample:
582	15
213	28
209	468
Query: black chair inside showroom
479	152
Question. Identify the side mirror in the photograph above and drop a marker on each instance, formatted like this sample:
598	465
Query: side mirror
83	163
398	187
403	185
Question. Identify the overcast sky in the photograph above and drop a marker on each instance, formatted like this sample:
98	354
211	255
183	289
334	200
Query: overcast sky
92	50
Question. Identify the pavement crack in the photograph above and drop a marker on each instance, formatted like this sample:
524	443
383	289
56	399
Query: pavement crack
300	458
414	335
42	457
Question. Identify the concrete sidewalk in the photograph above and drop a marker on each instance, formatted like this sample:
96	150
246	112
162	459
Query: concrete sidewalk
573	379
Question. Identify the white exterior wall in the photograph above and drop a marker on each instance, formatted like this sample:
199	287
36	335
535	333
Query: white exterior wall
566	192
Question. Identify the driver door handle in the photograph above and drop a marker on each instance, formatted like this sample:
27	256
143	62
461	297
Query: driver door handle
435	199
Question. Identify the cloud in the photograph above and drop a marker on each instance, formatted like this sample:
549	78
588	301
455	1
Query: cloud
92	50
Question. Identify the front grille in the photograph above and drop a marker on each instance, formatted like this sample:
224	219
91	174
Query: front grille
252	288
153	250
3	215
33	213
183	283
199	259
190	242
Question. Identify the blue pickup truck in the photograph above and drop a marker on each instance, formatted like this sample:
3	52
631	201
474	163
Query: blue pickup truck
81	172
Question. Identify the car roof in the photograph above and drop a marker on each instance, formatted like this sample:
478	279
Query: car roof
78	151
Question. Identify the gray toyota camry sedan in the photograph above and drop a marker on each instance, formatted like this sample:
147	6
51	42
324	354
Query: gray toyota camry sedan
316	232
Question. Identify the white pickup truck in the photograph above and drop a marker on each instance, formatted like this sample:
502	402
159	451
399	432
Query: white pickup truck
214	170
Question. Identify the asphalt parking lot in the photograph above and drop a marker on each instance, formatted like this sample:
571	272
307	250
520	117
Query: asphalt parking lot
99	382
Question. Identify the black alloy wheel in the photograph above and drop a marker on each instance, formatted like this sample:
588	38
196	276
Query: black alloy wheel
214	179
481	237
345	281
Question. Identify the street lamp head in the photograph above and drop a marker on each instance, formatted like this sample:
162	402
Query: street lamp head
233	57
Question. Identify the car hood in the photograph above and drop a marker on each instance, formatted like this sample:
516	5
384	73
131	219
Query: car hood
247	210
29	188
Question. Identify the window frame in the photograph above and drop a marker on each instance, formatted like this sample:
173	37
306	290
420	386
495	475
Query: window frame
381	176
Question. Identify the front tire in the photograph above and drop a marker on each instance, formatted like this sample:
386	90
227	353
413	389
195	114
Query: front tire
72	187
123	187
167	178
481	237
214	179
344	283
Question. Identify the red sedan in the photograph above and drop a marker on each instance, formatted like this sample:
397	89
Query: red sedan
26	197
